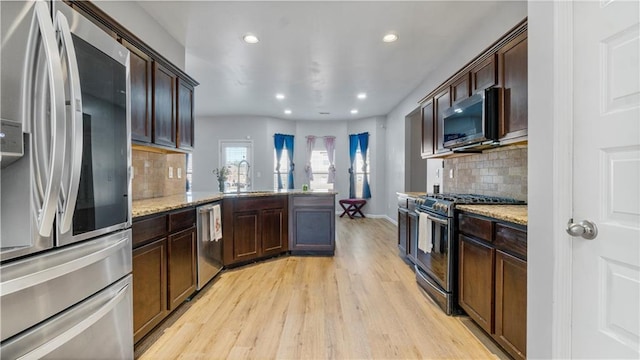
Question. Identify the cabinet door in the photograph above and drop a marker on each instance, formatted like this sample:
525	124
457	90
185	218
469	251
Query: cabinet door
412	236
185	115
313	229
476	281
460	88
484	75
182	266
149	287
442	102
403	231
246	235
512	59
141	67
428	128
274	232
511	304
164	106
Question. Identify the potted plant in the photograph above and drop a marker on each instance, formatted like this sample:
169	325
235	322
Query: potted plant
221	174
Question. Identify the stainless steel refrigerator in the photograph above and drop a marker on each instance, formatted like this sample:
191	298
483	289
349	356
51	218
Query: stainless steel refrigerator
65	187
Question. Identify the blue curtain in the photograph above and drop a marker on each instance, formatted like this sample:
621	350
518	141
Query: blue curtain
288	143
278	142
353	147
364	146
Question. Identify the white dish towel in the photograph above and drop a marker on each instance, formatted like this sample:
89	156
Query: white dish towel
216	222
425	242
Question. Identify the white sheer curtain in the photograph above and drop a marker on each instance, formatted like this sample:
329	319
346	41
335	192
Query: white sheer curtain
311	142
330	145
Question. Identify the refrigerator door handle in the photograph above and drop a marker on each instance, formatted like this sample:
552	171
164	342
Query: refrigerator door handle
57	270
78	328
36	113
69	193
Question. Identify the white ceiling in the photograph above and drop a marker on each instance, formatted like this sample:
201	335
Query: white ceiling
320	54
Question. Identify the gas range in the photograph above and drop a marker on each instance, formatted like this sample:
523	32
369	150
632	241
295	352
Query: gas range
444	204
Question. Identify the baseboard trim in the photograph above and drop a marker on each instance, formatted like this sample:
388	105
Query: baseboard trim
375	216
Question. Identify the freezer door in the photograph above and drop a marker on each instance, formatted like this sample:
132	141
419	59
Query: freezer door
36	288
100	327
32	96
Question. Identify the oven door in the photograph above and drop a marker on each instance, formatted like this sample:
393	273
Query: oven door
433	254
96	194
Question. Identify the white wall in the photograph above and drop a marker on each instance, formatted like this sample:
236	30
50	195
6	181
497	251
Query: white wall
260	130
506	16
540	232
135	19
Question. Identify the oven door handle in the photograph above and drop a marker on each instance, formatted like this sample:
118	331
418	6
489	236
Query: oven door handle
439	221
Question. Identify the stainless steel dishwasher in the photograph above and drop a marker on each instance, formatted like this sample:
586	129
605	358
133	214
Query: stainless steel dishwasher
209	242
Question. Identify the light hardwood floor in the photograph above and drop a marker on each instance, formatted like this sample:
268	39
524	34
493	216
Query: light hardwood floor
362	303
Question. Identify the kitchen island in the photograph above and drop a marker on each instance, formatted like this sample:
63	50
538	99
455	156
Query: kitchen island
255	225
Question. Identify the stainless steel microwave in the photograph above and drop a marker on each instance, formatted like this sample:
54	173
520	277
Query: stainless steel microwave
473	120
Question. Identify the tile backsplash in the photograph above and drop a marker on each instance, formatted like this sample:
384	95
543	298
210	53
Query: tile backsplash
499	172
151	174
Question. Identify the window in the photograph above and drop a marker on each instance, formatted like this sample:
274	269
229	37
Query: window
360	173
284	169
236	155
320	167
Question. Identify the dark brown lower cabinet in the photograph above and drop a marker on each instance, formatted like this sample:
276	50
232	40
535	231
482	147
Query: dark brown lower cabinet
149	287
412	235
274	240
254	228
245	235
511	304
476	281
164	266
182	266
403	231
493	279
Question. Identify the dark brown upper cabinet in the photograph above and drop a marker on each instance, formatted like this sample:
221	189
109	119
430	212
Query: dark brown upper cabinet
460	88
185	115
164	106
503	64
512	60
442	101
428	126
484	74
141	68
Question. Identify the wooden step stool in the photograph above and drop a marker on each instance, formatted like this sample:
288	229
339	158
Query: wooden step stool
354	207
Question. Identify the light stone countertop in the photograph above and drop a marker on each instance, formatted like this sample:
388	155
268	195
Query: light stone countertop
166	203
513	213
411	194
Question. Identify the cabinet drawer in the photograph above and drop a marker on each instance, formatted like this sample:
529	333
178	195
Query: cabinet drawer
182	219
149	229
314	201
266	202
471	225
402	202
511	240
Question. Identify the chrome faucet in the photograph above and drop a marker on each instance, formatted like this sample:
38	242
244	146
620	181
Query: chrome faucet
246	173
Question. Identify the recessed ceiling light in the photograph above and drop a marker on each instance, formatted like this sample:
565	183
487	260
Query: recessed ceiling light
390	37
279	96
250	39
287	111
362	96
354	111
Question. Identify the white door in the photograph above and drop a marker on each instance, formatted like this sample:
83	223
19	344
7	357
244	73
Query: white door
606	179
